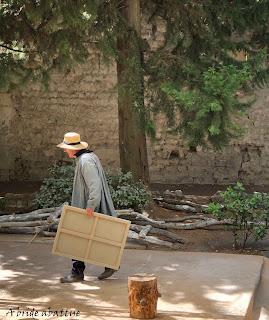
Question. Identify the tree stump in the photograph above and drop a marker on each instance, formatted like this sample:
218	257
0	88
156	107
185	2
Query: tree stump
143	296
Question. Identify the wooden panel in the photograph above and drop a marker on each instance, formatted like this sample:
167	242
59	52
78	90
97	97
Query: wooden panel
97	253
98	240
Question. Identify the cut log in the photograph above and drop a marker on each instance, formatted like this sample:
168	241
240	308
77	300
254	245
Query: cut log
23	224
142	220
187	226
196	217
122	211
45	213
52	221
56	213
143	296
160	232
152	240
178	207
48	234
133	216
34	215
144	231
18	230
183	202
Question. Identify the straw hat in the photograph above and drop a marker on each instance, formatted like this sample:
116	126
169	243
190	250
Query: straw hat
72	141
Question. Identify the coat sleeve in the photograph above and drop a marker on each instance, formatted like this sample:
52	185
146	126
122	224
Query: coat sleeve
94	184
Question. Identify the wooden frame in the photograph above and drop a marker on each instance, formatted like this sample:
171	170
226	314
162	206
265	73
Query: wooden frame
98	240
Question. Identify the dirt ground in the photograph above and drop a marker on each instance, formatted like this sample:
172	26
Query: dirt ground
211	240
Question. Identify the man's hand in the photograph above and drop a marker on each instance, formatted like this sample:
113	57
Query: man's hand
89	212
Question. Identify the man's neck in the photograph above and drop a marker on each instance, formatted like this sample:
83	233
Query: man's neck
80	152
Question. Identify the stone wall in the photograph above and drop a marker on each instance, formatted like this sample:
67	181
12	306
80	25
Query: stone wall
246	159
33	121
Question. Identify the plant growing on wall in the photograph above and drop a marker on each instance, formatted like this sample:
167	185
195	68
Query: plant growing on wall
249	213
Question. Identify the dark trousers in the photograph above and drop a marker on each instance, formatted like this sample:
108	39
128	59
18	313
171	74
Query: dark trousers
78	267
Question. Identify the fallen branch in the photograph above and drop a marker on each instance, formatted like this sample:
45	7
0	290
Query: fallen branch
52	220
178	207
133	216
18	230
152	240
174	201
188	226
48	234
196	217
45	222
142	220
144	231
34	215
197	225
14	224
157	231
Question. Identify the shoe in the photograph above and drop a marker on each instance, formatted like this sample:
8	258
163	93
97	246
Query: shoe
72	278
106	274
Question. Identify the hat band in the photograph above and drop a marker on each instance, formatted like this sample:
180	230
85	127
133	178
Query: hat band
71	144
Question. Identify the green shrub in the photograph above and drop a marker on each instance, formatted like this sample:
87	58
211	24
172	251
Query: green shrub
125	191
57	187
248	213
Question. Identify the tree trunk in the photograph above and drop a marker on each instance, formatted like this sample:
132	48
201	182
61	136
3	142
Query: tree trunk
132	139
143	296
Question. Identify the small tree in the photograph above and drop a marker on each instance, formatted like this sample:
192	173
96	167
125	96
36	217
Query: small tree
249	213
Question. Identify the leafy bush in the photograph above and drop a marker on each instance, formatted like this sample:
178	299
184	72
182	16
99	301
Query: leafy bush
125	191
57	187
248	213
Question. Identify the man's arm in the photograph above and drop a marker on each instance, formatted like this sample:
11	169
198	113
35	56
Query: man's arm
94	184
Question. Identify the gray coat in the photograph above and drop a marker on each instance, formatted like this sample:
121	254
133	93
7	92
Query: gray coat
90	188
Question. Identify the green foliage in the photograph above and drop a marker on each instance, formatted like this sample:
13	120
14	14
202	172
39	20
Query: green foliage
196	74
57	187
208	108
195	71
249	213
125	191
37	37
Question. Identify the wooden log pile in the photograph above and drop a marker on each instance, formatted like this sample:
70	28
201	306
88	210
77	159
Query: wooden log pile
175	200
143	230
37	222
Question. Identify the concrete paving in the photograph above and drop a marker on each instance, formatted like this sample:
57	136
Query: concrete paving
194	286
261	302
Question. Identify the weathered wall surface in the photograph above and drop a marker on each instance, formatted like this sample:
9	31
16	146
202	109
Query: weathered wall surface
6	116
246	159
32	122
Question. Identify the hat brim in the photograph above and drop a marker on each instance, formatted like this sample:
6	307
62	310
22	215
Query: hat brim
82	145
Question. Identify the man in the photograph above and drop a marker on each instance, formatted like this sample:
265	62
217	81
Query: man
90	192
